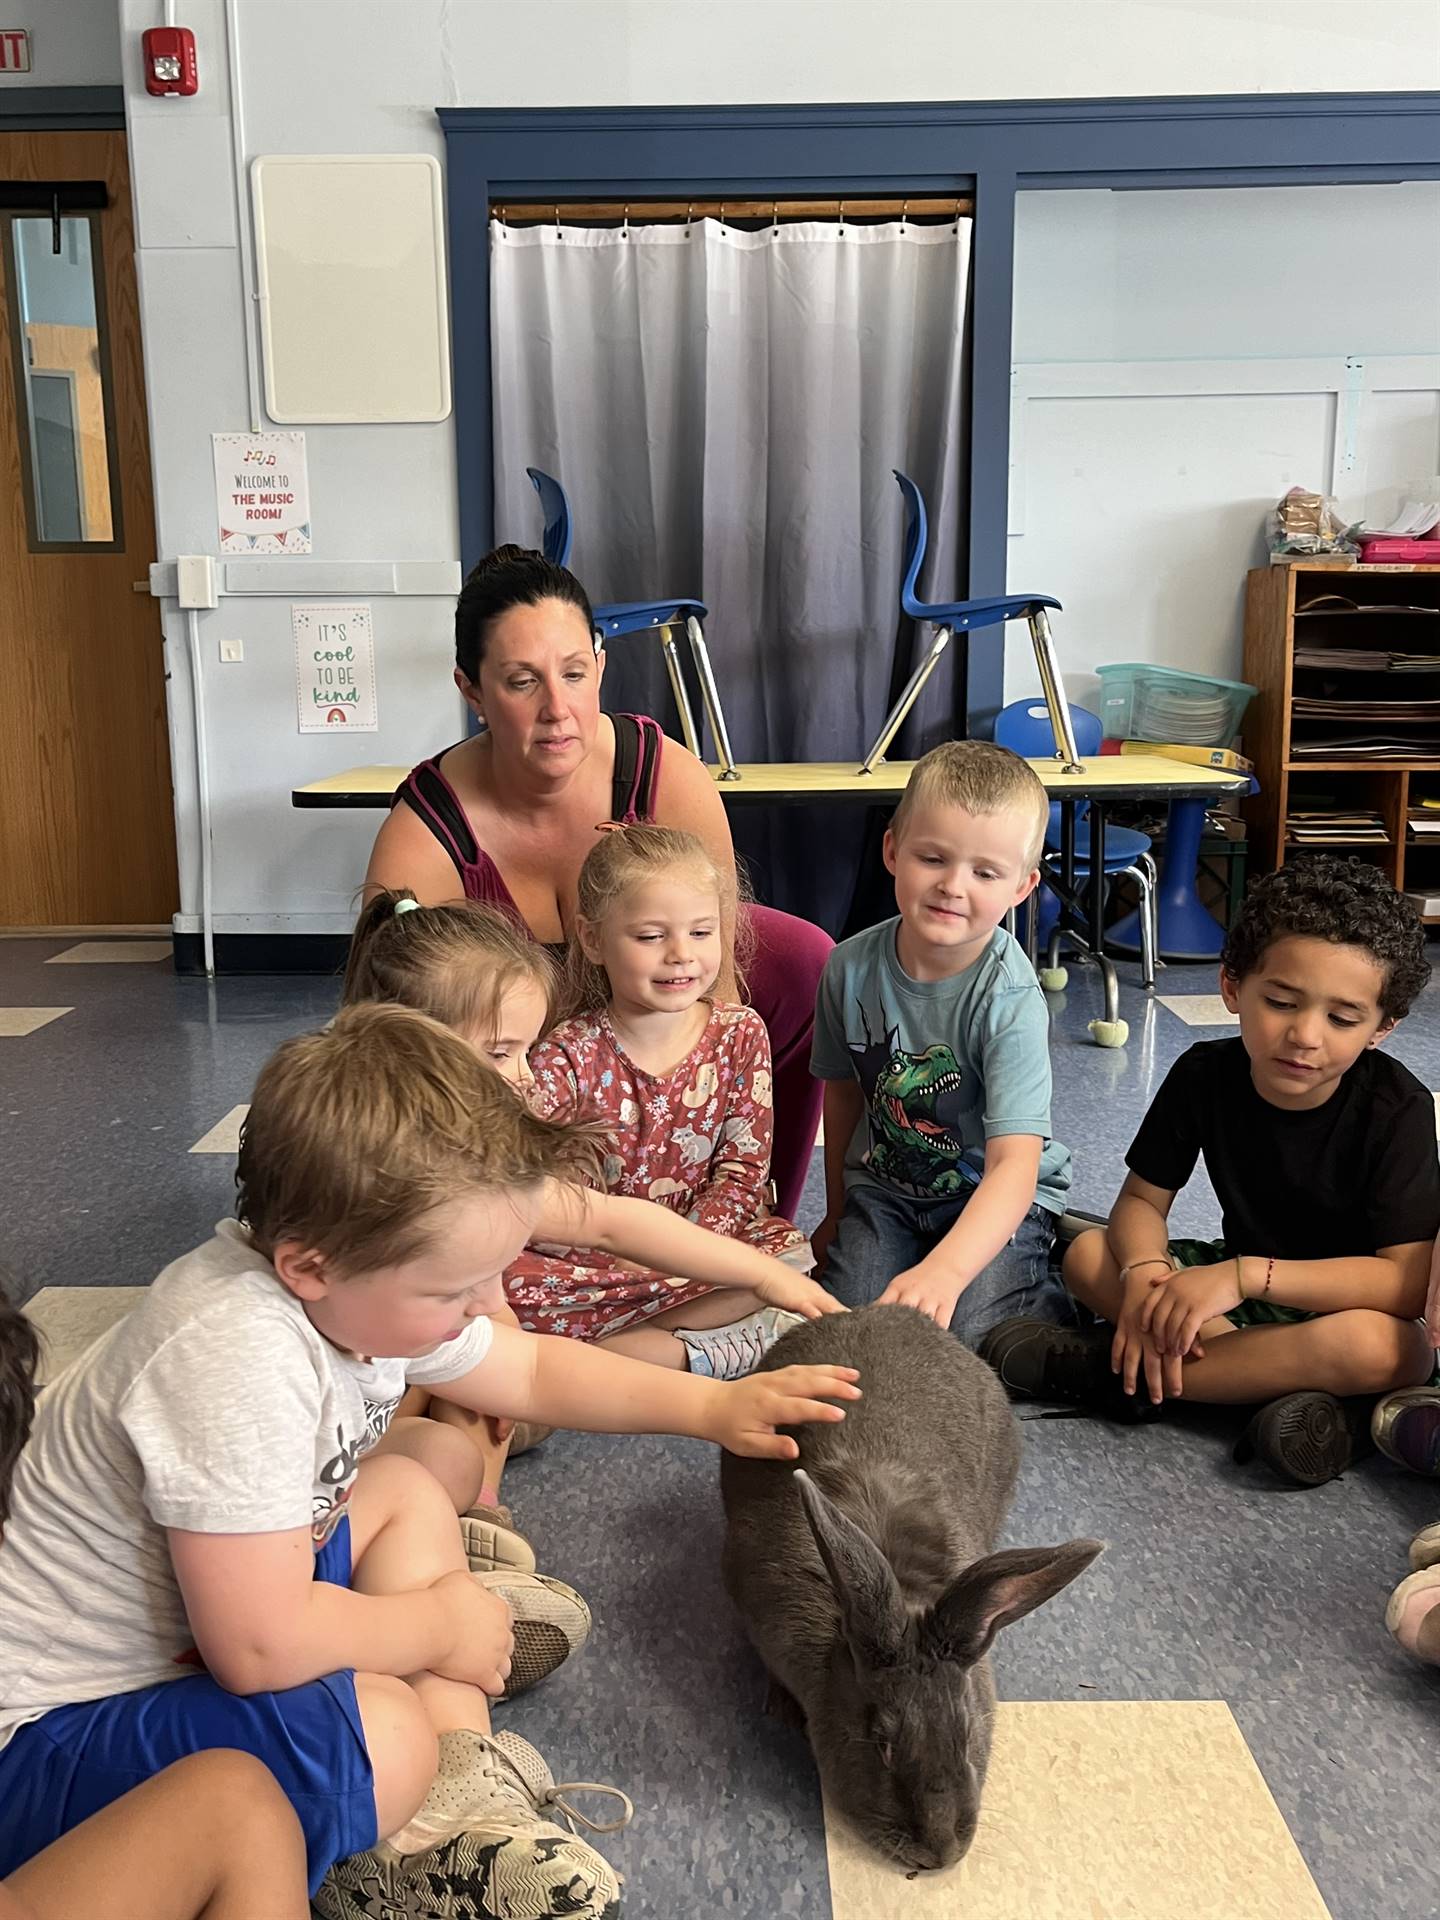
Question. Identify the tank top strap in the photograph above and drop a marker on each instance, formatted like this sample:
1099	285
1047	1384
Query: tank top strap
639	742
427	792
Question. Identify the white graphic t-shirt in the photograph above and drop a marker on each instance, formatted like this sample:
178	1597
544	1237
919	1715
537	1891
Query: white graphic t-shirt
214	1407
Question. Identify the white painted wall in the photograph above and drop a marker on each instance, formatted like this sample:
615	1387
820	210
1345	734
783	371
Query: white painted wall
73	43
362	76
1180	360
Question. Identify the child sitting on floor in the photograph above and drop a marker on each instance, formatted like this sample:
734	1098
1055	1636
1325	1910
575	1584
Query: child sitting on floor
932	1036
211	1838
1322	1152
202	1550
475	970
681	1083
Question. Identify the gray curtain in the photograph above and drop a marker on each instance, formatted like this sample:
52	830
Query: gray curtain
725	409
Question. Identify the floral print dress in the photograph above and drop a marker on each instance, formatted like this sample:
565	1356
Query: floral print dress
696	1140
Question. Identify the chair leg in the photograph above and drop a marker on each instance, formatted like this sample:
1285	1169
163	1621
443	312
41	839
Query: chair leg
1054	690
710	694
902	706
677	687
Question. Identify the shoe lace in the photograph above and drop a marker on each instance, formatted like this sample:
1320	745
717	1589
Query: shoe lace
549	1795
556	1799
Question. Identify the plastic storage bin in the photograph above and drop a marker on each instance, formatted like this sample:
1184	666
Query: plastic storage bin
1139	702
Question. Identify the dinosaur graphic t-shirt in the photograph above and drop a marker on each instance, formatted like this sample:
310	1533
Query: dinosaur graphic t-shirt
945	1065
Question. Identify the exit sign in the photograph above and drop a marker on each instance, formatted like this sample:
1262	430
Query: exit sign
14	50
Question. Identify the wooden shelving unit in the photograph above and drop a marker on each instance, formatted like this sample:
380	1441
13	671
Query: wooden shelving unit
1279	610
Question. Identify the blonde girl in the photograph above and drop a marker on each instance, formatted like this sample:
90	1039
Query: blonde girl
681	1083
475	969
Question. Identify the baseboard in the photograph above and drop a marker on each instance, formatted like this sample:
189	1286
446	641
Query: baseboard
264	952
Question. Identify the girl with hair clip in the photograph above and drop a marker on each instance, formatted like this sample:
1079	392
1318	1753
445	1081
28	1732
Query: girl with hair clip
475	969
680	1079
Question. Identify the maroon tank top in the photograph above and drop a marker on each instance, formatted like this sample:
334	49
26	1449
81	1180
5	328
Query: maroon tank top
639	741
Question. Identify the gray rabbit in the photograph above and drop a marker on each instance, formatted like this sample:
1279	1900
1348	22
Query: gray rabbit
868	1580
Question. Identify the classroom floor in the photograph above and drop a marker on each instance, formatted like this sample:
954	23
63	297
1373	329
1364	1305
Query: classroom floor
1211	1721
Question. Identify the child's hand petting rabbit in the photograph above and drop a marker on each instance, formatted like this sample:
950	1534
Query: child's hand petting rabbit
749	1411
797	1293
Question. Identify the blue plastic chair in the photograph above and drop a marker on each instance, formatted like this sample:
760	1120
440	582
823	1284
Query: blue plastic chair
1024	727
960	616
644	616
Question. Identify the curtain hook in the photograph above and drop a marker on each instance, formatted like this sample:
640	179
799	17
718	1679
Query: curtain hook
842	216
689	215
722	215
625	222
557	219
904	209
774	218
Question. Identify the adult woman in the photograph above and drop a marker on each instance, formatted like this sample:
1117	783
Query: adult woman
510	814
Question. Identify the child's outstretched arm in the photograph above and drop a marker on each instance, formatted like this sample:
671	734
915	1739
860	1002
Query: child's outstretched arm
992	1213
667	1243
567	1383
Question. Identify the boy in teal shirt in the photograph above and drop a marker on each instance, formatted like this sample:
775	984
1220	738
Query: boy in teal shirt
932	1037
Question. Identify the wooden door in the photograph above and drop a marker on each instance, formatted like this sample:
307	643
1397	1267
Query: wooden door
87	826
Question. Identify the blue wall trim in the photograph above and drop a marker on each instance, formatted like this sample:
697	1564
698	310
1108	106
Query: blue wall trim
26	109
994	149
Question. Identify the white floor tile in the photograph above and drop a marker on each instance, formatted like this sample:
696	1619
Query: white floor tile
1134	1808
73	1318
1200	1009
16	1022
224	1136
111	952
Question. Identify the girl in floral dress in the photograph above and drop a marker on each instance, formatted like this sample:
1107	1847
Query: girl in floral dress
477	970
681	1083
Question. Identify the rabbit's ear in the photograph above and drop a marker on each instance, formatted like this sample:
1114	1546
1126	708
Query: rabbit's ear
864	1582
998	1590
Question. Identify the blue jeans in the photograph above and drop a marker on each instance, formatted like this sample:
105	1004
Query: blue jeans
882	1232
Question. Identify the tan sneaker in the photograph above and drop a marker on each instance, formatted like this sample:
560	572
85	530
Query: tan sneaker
525	1435
482	1847
551	1623
493	1543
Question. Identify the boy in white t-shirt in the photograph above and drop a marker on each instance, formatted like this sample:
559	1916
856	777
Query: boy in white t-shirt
198	1555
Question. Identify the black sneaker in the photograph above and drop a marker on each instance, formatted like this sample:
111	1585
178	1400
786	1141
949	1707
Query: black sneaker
1039	1361
1307	1437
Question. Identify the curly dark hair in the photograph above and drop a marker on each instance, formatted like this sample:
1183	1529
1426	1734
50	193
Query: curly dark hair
1348	902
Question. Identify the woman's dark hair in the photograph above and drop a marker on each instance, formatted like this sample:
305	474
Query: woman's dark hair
1347	902
509	577
19	1356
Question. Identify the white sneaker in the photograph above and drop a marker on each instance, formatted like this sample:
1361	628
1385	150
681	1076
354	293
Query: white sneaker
729	1353
481	1847
551	1622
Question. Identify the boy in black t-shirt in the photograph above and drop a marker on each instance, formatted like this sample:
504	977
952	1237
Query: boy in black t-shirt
1322	1152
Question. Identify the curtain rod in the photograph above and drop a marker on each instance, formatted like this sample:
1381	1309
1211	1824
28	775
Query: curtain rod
644	212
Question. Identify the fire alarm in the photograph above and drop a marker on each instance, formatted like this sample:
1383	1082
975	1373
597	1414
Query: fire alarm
170	60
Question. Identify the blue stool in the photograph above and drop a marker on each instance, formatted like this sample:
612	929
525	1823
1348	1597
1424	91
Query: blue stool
960	616
1024	726
644	616
1187	930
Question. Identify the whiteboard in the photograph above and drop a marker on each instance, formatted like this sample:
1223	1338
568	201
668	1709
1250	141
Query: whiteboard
350	256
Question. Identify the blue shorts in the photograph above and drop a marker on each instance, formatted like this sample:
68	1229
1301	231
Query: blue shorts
58	1770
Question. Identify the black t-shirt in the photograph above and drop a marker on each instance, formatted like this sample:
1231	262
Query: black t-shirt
1355	1175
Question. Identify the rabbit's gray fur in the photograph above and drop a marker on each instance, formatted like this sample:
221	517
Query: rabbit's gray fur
869	1582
